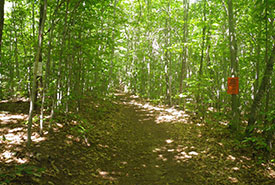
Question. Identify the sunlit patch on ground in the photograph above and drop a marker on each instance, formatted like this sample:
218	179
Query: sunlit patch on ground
271	173
13	133
233	179
22	99
107	175
231	158
6	118
170	115
178	153
168	141
225	123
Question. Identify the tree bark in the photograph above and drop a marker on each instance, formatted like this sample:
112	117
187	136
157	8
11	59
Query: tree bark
234	67
110	80
2	4
185	47
168	65
43	11
262	90
203	39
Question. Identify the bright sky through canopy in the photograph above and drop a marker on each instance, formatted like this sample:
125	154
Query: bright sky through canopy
8	6
193	1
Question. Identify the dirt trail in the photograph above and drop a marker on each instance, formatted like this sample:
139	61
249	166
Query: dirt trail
146	151
131	142
157	145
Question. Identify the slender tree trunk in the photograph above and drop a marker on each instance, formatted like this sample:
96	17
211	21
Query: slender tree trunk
11	68
110	81
262	90
43	11
47	76
25	63
256	84
46	81
208	46
78	70
15	46
59	84
185	47
203	39
234	67
266	61
48	69
69	77
2	4
168	76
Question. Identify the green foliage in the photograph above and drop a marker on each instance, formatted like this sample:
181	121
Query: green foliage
258	143
270	115
20	171
147	46
83	129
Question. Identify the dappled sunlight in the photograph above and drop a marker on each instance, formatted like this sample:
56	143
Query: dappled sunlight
107	175
12	140
233	179
182	154
271	173
164	114
168	141
225	123
134	96
161	157
10	157
231	158
246	158
12	116
177	153
13	136
235	168
208	154
225	164
6	118
15	100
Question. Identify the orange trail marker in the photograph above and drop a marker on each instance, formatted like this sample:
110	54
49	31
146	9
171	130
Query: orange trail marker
233	85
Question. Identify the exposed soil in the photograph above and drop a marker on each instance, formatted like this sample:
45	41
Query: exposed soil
125	141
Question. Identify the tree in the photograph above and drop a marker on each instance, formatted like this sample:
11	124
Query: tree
174	52
185	46
260	93
43	11
2	4
234	66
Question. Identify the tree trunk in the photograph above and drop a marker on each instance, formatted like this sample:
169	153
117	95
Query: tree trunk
48	69
11	69
15	44
260	93
234	67
203	39
2	3
185	47
168	65
110	80
43	11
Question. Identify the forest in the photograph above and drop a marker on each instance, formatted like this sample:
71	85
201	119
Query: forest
137	92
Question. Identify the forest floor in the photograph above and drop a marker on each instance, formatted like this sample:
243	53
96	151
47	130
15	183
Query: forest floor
125	141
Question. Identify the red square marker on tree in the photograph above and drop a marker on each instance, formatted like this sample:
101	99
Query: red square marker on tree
233	85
